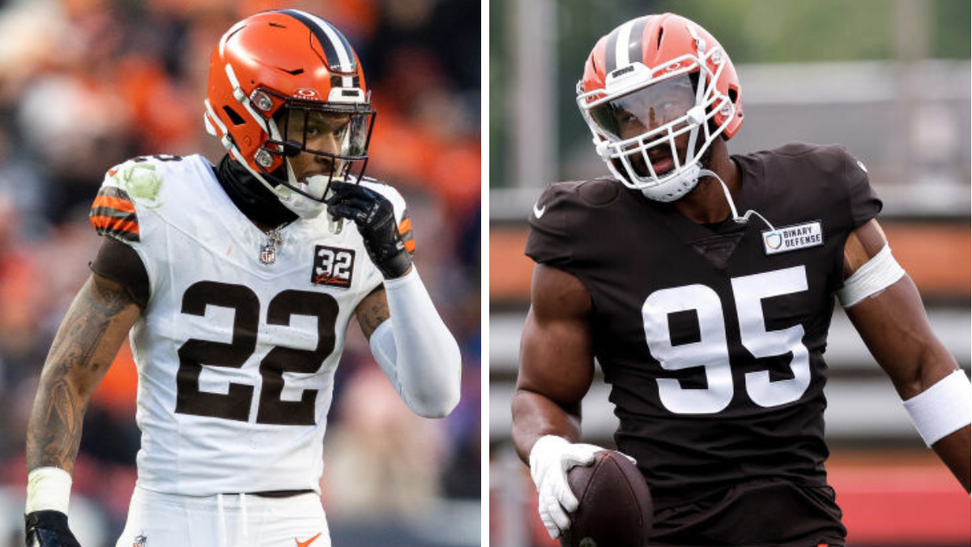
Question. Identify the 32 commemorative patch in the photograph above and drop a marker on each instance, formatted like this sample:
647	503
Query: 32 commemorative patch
793	238
332	266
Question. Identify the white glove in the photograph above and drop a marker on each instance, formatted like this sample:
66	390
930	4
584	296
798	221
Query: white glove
550	459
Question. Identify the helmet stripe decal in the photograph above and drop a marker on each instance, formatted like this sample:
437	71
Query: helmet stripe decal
621	44
610	51
340	56
635	50
624	45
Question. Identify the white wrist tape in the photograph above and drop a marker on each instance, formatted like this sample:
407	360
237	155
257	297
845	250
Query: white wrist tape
877	274
416	350
943	408
48	489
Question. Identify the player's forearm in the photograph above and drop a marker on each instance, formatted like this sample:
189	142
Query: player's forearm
54	427
930	362
935	363
83	349
535	415
937	398
423	362
955	451
895	328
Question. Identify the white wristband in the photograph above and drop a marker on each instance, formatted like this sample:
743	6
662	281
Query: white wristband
48	489
877	274
943	408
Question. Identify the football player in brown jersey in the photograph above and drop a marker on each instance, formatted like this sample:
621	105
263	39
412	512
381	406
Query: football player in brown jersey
709	325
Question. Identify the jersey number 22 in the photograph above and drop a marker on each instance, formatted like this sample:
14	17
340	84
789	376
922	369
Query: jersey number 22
235	404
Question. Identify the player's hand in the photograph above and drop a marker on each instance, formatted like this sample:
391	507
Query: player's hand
49	529
376	222
550	459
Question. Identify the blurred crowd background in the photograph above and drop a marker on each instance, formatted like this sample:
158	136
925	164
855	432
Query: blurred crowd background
888	79
86	84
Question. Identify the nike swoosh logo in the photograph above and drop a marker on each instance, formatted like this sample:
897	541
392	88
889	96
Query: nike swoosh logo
308	542
539	212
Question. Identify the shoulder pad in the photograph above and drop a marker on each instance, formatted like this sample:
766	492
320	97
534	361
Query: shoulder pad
832	158
127	188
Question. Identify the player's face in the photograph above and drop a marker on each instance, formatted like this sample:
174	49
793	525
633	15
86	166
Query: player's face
646	110
323	132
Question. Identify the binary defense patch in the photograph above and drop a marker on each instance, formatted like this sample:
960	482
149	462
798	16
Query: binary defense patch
792	238
113	214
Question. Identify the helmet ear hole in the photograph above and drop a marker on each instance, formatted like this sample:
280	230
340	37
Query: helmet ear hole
733	94
233	116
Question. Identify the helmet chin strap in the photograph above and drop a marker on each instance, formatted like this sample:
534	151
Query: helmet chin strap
676	187
301	206
732	206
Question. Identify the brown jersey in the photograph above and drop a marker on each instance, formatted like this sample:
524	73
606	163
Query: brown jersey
712	336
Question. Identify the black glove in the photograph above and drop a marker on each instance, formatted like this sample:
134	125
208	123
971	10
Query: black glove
49	529
376	222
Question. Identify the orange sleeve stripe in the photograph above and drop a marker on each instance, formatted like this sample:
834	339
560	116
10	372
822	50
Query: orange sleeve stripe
410	245
405	225
114	203
109	223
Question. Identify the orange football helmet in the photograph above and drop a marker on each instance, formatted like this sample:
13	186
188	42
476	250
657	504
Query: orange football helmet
276	67
649	86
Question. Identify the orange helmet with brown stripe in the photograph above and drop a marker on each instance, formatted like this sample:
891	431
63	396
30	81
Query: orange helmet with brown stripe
656	92
270	77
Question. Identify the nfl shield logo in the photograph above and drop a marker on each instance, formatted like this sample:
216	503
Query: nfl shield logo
140	541
268	254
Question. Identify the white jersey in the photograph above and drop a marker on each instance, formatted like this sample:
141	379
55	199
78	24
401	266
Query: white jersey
237	347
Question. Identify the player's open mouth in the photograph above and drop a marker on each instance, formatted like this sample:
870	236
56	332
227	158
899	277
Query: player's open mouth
662	165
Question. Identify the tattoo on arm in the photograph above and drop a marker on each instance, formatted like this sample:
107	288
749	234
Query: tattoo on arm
372	311
84	347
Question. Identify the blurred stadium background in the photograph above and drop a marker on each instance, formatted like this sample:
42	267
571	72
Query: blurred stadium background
889	79
86	84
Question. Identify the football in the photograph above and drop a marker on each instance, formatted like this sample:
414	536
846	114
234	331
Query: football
615	504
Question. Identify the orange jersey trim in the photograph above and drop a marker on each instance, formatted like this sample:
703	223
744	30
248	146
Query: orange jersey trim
109	223
114	203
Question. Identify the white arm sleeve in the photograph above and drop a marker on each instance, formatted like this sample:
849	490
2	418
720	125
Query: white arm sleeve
415	349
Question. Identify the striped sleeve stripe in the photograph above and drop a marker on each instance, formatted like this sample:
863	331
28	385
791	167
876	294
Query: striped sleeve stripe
106	212
405	230
116	194
113	213
111	202
123	229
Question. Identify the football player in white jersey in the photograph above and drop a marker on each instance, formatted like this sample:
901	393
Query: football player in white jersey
236	284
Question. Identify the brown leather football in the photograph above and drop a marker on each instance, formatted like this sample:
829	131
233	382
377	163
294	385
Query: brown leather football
615	504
